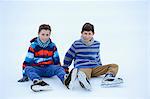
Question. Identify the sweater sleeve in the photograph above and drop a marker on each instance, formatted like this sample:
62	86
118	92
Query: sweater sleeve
29	57
99	60
98	57
56	58
69	56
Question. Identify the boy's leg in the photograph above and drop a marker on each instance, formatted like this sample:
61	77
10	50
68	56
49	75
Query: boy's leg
110	72
105	69
53	70
67	80
33	73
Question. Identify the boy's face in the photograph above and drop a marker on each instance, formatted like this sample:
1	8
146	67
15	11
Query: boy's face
87	35
44	35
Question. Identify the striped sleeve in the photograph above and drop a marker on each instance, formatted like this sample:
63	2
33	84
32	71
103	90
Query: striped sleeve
99	60
70	55
98	57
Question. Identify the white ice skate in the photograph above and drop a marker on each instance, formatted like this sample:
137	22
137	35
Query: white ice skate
111	82
70	79
40	85
83	81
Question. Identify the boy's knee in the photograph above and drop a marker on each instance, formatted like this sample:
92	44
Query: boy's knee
88	75
28	68
60	69
114	66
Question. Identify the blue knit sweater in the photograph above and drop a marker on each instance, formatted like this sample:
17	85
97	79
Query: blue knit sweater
85	55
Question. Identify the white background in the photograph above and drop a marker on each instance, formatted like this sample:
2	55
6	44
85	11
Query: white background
120	25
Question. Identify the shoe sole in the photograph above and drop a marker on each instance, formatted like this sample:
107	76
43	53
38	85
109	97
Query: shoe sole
37	88
73	78
83	79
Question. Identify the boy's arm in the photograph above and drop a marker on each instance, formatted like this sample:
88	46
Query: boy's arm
56	58
29	57
27	62
98	57
70	55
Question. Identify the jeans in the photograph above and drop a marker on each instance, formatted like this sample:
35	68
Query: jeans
36	72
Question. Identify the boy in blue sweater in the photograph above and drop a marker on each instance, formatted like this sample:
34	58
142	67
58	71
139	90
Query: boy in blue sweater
85	53
42	60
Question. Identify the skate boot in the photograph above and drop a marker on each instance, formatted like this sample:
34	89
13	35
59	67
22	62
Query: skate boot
70	78
110	81
39	85
83	81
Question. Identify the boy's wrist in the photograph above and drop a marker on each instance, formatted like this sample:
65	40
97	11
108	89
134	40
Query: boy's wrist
66	69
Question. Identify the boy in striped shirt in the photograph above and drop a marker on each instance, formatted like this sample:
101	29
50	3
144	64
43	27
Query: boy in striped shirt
85	53
42	60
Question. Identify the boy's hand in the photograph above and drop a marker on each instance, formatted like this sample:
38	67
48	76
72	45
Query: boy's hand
67	70
24	79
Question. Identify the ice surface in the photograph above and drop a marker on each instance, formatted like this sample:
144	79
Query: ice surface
121	27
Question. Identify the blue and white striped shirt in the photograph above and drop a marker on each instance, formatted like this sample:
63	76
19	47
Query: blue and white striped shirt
85	55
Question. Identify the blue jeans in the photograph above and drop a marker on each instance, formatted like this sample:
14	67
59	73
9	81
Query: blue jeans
45	71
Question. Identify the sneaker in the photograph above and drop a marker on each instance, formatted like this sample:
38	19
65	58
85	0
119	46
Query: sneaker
111	82
39	85
83	81
70	78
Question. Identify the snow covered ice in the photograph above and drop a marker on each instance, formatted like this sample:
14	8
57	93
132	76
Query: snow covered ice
120	26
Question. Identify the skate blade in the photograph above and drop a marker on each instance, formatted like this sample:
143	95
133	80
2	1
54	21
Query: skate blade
73	78
82	79
38	88
111	85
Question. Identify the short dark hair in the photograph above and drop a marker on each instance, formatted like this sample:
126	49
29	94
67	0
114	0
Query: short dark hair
88	27
45	27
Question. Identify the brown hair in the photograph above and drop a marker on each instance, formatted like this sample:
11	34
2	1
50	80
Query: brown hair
88	27
45	27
